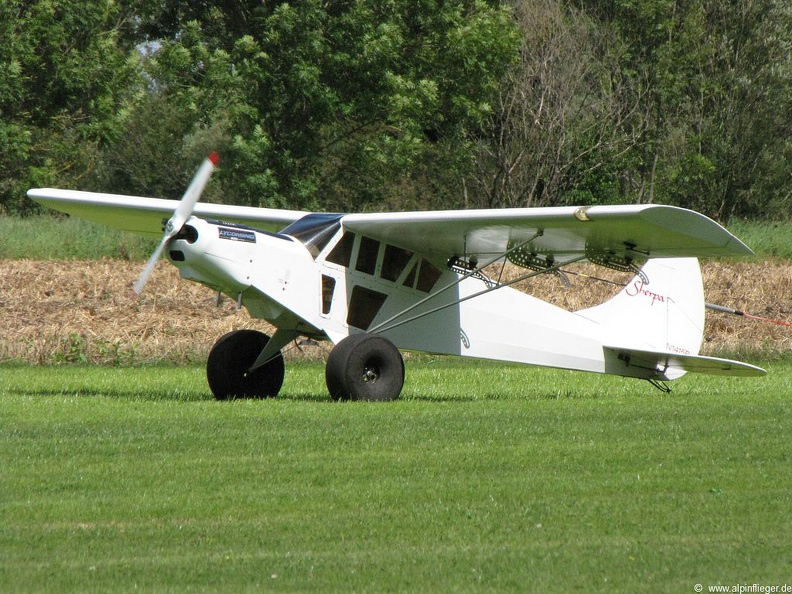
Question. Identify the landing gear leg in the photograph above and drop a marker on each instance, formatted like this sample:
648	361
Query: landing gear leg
229	361
365	367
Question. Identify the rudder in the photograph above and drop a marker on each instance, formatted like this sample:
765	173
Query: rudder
666	314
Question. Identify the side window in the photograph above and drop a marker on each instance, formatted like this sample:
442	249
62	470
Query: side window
427	276
394	262
341	254
364	307
367	255
328	288
422	274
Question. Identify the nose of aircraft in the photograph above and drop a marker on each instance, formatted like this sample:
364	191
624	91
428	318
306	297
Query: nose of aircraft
201	254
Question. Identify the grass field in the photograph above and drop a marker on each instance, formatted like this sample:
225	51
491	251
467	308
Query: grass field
58	238
482	478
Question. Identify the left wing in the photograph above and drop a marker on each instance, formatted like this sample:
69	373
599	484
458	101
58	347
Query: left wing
633	231
145	216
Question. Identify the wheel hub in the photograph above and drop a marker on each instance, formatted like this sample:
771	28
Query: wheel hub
370	374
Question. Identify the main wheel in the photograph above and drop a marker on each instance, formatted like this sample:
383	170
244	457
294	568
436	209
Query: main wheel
365	367
231	357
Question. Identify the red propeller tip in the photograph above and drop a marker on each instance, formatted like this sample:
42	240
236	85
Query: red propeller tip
214	158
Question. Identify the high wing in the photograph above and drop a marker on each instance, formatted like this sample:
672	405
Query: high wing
145	216
632	232
635	232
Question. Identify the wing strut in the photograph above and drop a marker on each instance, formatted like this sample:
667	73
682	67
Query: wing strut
387	325
473	271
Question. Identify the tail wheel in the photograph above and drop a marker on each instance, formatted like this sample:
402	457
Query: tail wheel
365	367
229	361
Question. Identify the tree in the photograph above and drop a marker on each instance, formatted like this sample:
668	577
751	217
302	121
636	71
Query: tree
63	84
746	120
717	99
563	118
332	105
341	105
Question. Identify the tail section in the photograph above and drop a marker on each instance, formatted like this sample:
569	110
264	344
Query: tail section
656	323
662	309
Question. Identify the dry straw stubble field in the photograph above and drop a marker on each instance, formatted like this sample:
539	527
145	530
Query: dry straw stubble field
83	311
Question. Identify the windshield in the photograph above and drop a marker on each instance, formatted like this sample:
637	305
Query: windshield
314	230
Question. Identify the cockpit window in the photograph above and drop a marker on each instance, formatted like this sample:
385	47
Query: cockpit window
314	230
367	255
385	261
341	254
393	262
428	276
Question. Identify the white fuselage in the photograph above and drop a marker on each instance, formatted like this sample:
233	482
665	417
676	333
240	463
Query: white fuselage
355	284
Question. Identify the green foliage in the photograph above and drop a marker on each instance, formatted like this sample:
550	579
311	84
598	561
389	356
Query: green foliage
483	478
371	105
64	81
768	238
715	80
316	105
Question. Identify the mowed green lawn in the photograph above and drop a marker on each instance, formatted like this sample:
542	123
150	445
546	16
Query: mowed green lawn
483	477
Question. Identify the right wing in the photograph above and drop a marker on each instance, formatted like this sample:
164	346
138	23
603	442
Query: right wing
145	216
626	231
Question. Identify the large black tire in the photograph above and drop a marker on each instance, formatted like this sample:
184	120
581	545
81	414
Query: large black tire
229	361
335	369
365	367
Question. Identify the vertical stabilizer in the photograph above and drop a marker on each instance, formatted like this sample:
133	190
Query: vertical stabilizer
665	314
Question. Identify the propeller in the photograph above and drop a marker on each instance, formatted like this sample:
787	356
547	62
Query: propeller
180	216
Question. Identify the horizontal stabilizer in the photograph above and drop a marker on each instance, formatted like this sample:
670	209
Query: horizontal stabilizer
664	362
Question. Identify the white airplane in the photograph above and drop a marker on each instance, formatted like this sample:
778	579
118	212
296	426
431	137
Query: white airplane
373	284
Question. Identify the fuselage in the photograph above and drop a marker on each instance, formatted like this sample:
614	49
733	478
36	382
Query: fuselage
339	283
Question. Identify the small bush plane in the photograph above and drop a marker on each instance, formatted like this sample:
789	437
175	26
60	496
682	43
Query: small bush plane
375	284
